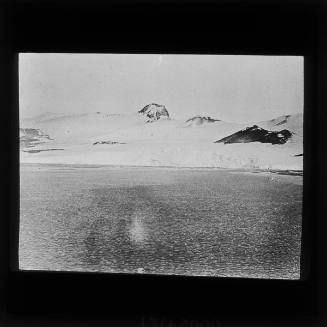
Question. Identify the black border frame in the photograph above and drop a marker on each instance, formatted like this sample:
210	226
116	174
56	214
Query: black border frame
292	27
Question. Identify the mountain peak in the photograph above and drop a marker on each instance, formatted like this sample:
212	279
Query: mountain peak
154	112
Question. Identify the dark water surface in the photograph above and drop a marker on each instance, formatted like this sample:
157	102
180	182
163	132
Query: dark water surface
155	220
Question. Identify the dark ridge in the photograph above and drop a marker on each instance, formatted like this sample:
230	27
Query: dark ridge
257	134
298	155
29	143
108	142
288	172
208	119
37	151
284	121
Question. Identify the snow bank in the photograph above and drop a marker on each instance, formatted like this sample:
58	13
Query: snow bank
261	156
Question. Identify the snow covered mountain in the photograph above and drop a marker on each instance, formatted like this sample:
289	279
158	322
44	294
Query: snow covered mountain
130	139
154	112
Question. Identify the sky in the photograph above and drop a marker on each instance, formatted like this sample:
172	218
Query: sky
228	87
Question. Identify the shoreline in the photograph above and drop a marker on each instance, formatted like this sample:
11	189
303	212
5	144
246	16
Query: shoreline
290	172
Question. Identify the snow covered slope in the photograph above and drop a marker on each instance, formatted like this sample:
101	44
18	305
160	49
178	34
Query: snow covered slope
117	139
293	123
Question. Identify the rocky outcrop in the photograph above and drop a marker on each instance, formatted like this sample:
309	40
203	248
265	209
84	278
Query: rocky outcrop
154	112
32	132
257	134
200	120
29	137
107	142
42	150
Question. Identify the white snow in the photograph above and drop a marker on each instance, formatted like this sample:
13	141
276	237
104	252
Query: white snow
293	123
160	143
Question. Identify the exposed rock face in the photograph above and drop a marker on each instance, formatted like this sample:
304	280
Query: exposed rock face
257	134
154	112
200	120
107	142
29	137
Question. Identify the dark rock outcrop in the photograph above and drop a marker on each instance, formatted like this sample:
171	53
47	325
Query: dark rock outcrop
257	134
200	120
29	137
32	132
42	150
154	112
107	142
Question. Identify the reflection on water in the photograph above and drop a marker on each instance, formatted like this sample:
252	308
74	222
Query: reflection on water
193	222
137	230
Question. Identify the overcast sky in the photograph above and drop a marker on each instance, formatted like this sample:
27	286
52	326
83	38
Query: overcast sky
231	88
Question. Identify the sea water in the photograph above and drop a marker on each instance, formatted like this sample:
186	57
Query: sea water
210	222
